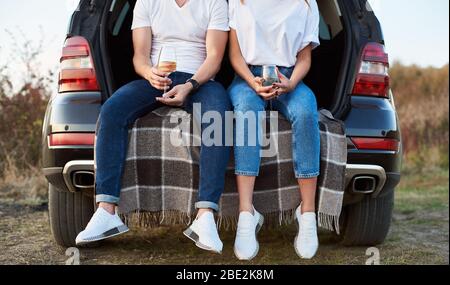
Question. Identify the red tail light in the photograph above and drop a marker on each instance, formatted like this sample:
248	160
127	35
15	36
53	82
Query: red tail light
77	67
376	144
373	77
71	139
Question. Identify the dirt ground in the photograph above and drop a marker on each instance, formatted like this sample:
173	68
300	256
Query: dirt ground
419	235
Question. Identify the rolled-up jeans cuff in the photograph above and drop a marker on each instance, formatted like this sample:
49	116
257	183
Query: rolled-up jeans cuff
207	205
307	175
246	173
102	198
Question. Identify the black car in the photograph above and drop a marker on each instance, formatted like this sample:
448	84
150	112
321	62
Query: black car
349	76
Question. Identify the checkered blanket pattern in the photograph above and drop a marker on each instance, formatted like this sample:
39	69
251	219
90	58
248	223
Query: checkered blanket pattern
160	180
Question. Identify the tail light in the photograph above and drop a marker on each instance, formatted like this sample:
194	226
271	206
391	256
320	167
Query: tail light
77	67
373	77
376	144
71	139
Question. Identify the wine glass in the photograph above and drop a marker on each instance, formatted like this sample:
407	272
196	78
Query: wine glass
269	74
167	62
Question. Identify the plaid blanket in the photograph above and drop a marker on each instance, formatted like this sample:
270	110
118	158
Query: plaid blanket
160	180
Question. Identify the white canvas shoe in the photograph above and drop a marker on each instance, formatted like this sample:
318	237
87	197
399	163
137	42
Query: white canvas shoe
102	225
246	245
306	242
203	232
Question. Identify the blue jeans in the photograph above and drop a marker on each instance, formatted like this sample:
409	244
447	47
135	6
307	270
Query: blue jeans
135	100
299	107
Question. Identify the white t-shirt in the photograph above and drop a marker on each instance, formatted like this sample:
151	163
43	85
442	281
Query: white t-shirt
274	31
184	27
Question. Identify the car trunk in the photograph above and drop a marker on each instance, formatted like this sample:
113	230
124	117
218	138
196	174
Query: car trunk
326	77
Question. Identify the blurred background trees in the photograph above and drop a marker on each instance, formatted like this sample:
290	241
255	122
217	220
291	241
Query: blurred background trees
22	106
422	101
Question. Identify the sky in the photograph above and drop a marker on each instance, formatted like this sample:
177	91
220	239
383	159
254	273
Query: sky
416	31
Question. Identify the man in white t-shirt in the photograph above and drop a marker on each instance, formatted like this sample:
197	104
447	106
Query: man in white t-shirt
196	30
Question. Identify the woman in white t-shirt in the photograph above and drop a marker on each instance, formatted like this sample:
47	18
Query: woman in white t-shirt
280	33
198	30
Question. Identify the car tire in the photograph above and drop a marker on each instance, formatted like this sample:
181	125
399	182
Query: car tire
69	214
367	223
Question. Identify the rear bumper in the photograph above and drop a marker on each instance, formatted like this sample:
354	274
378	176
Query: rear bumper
65	178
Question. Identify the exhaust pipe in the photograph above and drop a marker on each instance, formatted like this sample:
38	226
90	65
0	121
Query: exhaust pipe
364	185
83	179
79	175
365	179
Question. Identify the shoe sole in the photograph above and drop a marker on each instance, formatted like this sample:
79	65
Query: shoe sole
258	228
194	237
108	234
297	222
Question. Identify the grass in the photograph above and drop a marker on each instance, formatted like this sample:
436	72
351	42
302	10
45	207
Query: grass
26	185
423	192
420	232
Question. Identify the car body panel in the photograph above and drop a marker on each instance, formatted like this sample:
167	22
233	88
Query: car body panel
70	113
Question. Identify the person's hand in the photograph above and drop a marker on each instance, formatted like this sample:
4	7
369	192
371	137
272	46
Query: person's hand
158	79
177	95
266	92
284	86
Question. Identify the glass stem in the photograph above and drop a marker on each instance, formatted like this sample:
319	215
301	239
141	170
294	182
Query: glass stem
165	86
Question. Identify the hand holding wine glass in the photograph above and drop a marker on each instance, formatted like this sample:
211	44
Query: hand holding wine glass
158	79
264	85
167	63
284	85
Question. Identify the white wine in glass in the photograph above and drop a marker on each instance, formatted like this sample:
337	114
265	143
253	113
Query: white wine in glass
167	61
269	74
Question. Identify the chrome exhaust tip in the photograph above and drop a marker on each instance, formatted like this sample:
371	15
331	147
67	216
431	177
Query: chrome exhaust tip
364	179
79	175
83	180
364	185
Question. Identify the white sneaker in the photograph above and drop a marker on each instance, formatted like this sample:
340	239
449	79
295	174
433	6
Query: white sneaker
203	232
102	225
306	242
246	245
